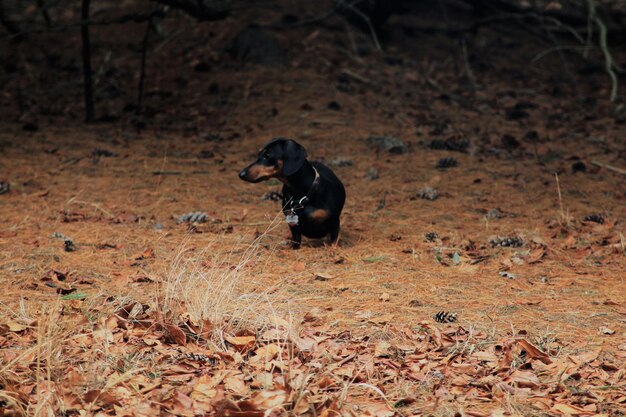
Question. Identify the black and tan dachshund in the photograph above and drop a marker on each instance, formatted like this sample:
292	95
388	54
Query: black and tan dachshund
313	196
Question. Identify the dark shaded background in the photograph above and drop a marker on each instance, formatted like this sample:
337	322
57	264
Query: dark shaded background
195	52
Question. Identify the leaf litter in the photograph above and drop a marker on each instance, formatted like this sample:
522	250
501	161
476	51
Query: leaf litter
311	369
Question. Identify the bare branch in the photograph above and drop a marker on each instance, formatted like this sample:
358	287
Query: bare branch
134	17
201	9
608	58
367	20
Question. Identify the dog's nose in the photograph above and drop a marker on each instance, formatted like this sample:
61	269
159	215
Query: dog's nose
243	173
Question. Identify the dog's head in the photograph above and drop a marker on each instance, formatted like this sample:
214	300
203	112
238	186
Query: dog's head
279	158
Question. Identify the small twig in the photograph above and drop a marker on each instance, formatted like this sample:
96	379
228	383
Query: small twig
355	54
369	24
610	167
382	396
558	189
590	13
556	48
96	206
356	76
435	85
468	68
43	8
554	20
608	58
345	360
566	70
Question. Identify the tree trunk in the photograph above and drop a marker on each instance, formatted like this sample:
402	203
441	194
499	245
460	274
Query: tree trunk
142	70
87	73
11	27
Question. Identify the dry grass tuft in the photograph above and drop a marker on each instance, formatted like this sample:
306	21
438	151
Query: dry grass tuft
43	361
222	289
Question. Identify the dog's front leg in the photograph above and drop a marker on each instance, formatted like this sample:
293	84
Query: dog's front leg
296	237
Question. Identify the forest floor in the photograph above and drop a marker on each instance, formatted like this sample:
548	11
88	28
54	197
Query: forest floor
112	306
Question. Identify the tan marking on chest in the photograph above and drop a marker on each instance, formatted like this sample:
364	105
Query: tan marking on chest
320	215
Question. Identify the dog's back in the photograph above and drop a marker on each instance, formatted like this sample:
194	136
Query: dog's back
336	197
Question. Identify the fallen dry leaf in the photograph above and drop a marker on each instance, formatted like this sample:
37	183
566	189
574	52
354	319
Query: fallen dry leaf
382	319
270	398
318	276
204	389
534	352
14	326
180	405
382	349
606	330
536	255
241	343
586	357
524	379
99	397
174	334
236	384
570	410
146	254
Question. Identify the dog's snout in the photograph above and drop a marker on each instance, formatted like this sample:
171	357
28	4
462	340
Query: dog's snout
243	173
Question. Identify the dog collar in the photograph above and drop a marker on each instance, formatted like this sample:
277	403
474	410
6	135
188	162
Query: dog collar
300	203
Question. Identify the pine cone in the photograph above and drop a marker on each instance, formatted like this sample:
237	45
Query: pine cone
426	193
595	218
450	144
431	236
5	187
507	241
445	317
444	163
193	217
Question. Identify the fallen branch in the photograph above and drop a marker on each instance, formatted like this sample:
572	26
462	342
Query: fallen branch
609	167
134	17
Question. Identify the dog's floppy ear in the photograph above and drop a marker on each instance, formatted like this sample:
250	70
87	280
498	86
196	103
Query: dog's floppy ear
293	157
